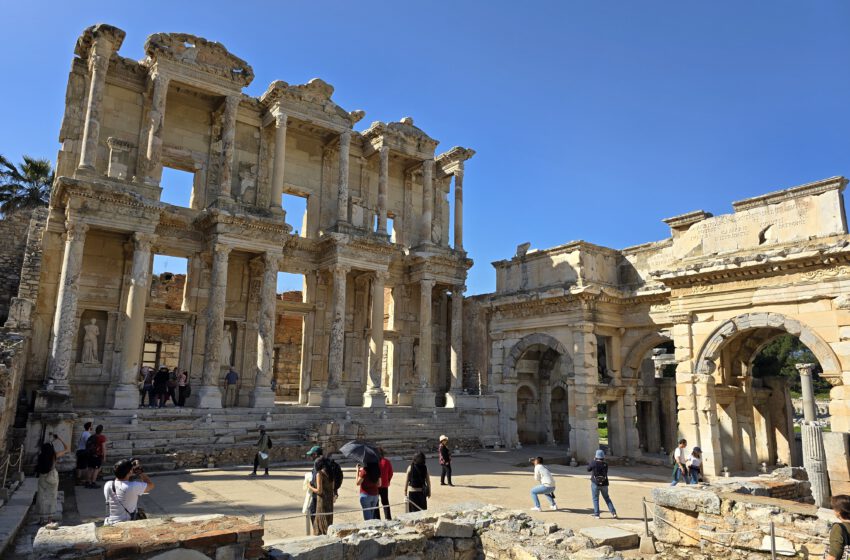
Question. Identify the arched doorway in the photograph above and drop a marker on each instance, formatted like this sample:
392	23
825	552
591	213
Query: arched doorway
752	420
537	364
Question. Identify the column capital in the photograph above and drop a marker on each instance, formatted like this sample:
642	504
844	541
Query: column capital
458	290
75	229
458	173
345	136
382	275
338	269
218	248
428	283
805	369
159	80
384	151
271	259
143	241
680	318
281	117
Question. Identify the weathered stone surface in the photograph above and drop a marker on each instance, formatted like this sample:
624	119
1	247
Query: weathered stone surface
617	539
310	548
684	498
446	528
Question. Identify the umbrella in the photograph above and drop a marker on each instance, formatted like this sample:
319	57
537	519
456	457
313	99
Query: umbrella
360	451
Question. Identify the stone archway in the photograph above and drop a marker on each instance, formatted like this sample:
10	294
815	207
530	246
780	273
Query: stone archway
534	365
744	422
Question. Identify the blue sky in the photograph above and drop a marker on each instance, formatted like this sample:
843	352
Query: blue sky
592	120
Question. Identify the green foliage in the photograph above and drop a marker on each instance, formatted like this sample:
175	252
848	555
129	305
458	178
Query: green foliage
26	186
780	357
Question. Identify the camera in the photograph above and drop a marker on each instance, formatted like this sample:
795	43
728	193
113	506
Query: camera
137	466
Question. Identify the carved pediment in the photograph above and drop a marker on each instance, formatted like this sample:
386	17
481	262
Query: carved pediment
91	34
208	56
314	97
402	136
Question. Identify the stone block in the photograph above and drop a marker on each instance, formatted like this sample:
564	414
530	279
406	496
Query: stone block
617	539
453	530
54	543
439	549
310	548
688	499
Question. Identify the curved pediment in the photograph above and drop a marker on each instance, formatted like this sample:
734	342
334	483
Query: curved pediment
190	50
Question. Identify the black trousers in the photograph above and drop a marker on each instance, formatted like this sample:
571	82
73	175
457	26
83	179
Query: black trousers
416	501
446	474
257	463
384	493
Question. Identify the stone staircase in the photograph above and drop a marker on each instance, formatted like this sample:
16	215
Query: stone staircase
170	438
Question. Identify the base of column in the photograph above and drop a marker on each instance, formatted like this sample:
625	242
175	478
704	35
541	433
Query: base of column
452	398
262	397
209	396
126	397
333	398
314	397
405	398
375	398
425	399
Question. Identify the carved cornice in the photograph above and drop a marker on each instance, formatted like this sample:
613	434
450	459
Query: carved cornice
311	102
196	53
97	33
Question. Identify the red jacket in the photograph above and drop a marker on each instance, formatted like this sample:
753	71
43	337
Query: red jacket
386	472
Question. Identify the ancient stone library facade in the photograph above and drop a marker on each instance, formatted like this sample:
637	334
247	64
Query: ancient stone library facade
663	335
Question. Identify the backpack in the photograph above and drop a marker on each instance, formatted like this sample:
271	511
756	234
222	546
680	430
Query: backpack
845	537
336	474
91	445
601	478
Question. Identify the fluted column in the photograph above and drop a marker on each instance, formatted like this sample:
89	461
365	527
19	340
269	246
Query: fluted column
65	319
334	395
383	178
209	395
459	208
424	397
280	120
263	396
809	407
228	143
156	120
342	189
126	395
98	65
375	397
427	201
456	363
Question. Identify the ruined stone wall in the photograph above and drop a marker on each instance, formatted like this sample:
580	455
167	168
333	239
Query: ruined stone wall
288	348
13	232
13	353
476	342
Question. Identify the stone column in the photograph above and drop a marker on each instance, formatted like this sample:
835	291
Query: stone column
456	347
427	200
383	179
263	396
459	208
306	382
228	144
98	65
585	424
814	461
156	120
65	318
280	120
632	439
209	395
809	406
334	395
342	188
424	397
375	397
126	394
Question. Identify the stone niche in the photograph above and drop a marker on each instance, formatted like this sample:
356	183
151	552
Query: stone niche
100	320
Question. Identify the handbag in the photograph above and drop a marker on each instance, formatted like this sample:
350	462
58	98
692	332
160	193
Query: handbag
263	456
137	515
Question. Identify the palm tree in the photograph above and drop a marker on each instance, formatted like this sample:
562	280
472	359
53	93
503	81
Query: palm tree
25	187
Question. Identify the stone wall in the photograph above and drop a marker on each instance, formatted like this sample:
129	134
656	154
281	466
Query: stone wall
13	232
13	351
203	537
288	341
710	523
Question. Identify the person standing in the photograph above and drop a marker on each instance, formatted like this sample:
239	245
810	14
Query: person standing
545	484
160	386
173	382
839	533
183	388
680	468
82	457
48	478
231	380
323	489
445	461
599	483
122	494
417	484
369	481
96	450
261	457
384	491
316	454
694	463
146	387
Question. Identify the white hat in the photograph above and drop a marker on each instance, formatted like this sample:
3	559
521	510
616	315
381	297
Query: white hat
444	438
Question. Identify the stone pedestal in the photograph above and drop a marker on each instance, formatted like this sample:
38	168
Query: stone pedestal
262	397
333	398
375	398
424	399
125	397
209	396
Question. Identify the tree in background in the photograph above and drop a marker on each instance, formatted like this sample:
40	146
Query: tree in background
26	186
780	357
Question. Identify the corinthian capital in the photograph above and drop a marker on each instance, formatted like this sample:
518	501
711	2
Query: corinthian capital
76	229
143	241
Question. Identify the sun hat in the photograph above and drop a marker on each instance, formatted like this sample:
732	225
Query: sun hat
444	438
697	449
315	450
600	454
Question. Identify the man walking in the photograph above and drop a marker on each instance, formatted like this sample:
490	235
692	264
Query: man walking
545	484
231	379
680	467
599	483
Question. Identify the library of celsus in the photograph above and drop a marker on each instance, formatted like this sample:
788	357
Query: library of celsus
379	339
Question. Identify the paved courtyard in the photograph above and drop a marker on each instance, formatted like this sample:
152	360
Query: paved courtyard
491	476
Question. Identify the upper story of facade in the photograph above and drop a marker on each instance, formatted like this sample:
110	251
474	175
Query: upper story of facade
182	108
764	235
